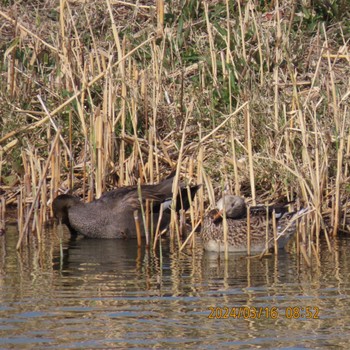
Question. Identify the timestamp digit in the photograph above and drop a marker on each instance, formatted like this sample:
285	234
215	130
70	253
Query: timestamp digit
212	314
252	312
218	313
274	312
296	312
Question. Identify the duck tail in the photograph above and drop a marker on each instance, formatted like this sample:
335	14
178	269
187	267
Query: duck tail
182	200
287	222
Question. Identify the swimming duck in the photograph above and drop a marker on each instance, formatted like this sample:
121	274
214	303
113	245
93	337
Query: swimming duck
112	215
236	216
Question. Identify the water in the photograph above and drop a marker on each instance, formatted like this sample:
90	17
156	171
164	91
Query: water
106	294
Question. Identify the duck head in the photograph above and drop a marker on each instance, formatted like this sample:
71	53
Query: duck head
234	206
61	205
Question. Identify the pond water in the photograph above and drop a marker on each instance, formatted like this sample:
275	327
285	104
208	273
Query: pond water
106	294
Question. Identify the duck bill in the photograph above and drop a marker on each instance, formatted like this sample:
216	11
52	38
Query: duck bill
217	217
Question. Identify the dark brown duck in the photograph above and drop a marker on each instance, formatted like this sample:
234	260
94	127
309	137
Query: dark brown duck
112	215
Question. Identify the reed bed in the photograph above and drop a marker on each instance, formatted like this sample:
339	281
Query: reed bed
100	94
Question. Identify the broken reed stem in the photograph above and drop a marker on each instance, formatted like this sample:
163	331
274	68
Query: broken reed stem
189	236
223	123
43	178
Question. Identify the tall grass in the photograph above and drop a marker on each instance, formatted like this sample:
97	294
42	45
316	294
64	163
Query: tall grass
255	93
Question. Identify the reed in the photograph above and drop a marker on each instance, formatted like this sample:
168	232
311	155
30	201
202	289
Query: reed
139	90
2	215
248	232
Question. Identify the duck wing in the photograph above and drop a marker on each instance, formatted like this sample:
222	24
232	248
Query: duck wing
128	197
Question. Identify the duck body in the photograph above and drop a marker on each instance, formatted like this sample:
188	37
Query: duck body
261	221
112	215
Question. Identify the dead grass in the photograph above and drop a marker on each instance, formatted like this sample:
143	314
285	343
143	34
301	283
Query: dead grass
135	94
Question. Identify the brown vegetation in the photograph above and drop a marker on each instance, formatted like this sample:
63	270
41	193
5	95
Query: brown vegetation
253	94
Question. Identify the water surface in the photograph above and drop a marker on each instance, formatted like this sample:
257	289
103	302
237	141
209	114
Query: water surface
105	294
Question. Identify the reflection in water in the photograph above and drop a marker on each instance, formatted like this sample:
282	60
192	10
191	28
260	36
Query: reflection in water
106	294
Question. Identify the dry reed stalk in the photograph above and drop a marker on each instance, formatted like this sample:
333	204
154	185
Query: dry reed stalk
192	211
256	28
250	154
199	178
235	167
158	54
274	226
176	229
148	220
223	123
225	228
143	212
2	214
278	56
248	231
160	16
298	238
189	237
55	174
34	203
339	177
210	189
26	30
97	142
345	213
211	45
151	140
318	189
243	31
19	212
33	176
178	167
158	233
228	44
77	94
267	228
138	229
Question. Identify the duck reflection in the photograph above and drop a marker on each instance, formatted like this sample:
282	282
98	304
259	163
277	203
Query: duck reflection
100	256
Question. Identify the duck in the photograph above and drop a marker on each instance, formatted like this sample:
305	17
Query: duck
112	215
212	233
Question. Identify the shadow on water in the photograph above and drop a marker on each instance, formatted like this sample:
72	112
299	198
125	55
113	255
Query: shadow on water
108	293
